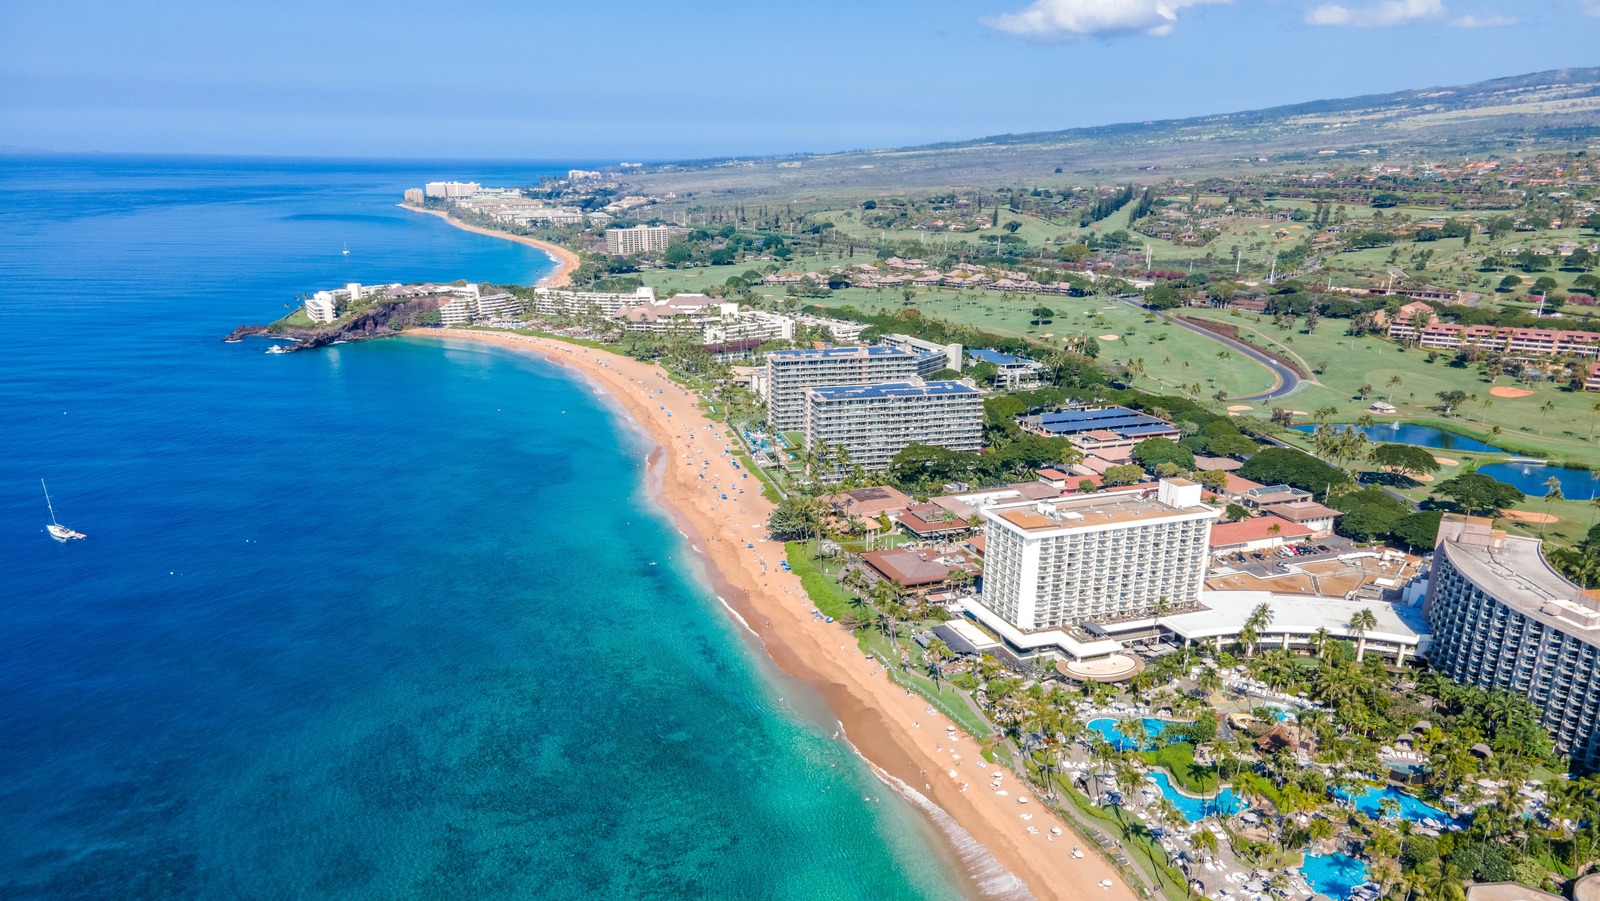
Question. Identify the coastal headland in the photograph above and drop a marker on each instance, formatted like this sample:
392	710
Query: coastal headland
566	260
893	729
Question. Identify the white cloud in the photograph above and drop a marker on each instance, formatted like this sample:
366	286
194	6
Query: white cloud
1065	19
1488	21
1383	14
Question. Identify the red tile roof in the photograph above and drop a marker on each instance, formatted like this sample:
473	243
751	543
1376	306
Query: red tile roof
1231	534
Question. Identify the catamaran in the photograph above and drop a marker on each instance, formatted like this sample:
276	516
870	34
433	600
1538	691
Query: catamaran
57	531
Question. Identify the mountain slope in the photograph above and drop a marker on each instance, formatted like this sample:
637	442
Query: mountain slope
1556	107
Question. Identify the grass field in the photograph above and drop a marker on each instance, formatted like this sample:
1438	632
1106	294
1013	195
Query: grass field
1172	356
1353	362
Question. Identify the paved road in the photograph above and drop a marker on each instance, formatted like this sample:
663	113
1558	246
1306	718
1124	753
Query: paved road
1288	380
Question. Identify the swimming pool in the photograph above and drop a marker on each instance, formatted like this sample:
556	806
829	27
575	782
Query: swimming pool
1226	803
1107	727
1370	803
1334	875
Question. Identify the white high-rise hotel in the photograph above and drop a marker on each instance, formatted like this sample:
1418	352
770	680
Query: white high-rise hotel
1095	557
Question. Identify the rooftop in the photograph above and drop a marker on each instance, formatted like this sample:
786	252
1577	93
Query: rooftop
997	358
1229	534
891	389
1090	511
1514	570
835	353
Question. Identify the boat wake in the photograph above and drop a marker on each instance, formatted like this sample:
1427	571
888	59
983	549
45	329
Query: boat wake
992	878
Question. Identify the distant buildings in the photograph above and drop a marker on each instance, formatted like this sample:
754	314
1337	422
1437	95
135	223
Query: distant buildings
450	189
1428	334
1501	617
641	238
1095	557
790	372
875	422
414	196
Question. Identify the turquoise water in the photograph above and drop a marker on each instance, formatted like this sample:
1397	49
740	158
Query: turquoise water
374	622
1334	875
1196	809
1419	435
1108	730
1370	802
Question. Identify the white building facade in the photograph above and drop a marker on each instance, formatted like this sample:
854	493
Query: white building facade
641	238
875	422
790	372
1060	563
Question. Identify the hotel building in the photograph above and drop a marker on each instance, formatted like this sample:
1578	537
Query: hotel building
559	302
1062	562
641	238
790	372
934	357
1502	618
875	422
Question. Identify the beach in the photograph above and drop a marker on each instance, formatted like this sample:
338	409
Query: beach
566	260
719	508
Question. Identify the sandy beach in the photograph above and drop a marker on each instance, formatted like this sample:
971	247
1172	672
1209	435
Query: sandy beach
896	731
566	260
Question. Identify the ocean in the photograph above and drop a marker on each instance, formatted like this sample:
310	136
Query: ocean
390	620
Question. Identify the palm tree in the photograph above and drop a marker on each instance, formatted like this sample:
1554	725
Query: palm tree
1552	493
1363	620
1259	619
1544	410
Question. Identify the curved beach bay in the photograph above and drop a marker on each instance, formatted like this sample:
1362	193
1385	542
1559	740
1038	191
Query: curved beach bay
375	622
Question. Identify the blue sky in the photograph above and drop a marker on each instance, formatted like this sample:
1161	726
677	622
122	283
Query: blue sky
628	80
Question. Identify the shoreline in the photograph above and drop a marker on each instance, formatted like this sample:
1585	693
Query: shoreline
566	260
899	736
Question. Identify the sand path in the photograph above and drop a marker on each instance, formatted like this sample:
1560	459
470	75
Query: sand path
892	728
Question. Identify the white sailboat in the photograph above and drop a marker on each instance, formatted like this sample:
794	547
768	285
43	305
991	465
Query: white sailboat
57	531
347	249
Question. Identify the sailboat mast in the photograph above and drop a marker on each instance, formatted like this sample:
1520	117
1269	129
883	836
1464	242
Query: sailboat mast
48	506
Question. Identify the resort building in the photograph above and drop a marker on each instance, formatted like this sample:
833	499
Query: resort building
467	304
1591	377
1517	342
790	372
449	189
642	238
875	422
1259	533
320	308
933	357
1075	559
842	330
1501	617
1014	371
558	302
1106	427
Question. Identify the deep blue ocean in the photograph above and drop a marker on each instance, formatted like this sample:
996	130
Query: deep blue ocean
374	622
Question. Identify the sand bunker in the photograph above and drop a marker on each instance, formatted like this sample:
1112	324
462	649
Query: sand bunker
1509	392
1110	338
1299	412
1527	516
1238	408
1422	477
1446	461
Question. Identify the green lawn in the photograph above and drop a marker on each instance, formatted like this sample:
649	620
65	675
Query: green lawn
1172	355
1353	362
1178	759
